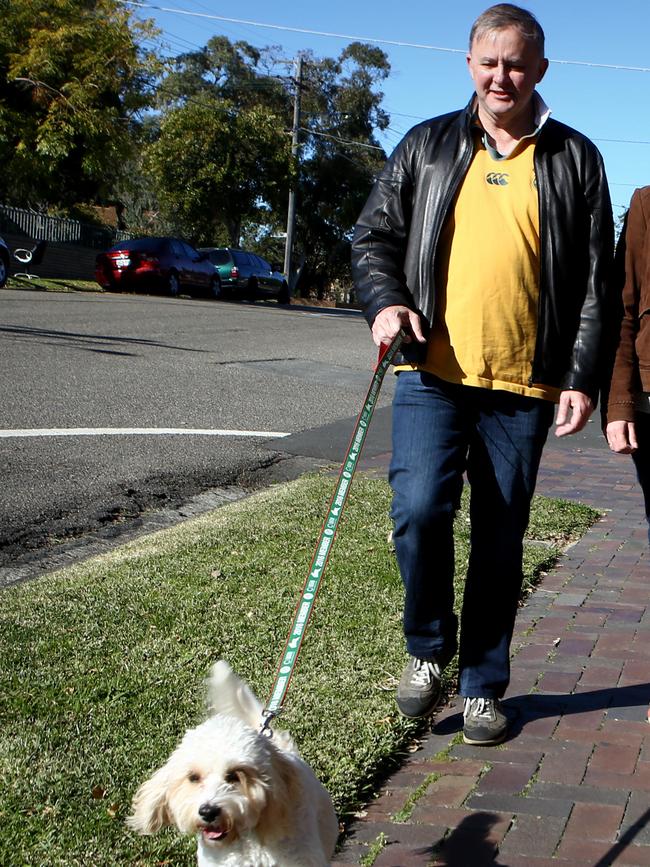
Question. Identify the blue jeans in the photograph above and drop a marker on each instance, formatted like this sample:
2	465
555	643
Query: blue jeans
441	430
641	458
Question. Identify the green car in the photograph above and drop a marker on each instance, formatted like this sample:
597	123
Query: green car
246	275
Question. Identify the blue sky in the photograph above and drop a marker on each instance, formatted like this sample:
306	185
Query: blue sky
609	105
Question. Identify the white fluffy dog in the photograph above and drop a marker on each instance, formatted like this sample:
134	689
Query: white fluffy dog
250	799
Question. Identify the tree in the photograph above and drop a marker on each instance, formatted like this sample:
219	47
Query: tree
218	149
341	157
221	159
214	166
74	80
238	73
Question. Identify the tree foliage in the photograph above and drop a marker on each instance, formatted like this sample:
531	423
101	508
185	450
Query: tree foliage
222	154
238	73
222	158
214	166
73	78
340	156
211	159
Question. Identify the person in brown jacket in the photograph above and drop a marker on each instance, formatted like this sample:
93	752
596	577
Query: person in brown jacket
628	407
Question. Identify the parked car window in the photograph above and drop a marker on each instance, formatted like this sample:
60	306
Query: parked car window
190	251
176	247
220	257
148	244
241	258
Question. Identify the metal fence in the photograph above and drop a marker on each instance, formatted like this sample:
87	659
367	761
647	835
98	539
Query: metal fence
41	227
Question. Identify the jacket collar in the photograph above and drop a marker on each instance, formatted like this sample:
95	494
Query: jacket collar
541	114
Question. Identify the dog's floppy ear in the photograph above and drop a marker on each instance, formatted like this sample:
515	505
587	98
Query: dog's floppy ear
150	810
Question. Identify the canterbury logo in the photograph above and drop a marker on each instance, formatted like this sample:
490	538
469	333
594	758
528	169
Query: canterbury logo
498	179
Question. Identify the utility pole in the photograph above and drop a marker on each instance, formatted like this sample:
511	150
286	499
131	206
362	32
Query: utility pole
295	147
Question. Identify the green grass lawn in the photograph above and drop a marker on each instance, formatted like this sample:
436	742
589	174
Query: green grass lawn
53	284
102	664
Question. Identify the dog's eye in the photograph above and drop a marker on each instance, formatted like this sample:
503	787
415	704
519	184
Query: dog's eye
194	777
232	777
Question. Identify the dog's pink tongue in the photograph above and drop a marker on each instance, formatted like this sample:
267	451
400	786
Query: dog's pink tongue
213	833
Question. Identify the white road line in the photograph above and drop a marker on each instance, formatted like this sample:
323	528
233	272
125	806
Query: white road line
137	431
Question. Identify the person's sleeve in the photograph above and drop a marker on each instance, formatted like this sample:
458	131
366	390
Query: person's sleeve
381	235
625	375
597	308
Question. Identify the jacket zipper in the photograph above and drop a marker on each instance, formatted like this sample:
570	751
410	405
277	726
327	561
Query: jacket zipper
541	190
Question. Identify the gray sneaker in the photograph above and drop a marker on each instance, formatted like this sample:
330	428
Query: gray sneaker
484	722
419	688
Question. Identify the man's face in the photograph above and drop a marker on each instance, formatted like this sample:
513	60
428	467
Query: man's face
505	68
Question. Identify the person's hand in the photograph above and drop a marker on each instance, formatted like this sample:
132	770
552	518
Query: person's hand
621	436
389	321
573	412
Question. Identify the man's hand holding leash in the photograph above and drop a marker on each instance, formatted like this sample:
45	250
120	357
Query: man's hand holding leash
390	320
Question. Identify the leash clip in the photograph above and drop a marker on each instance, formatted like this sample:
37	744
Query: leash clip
269	716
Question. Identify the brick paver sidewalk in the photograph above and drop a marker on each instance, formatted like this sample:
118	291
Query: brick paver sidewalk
572	783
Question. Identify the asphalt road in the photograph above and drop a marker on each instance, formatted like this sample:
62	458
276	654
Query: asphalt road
126	362
100	361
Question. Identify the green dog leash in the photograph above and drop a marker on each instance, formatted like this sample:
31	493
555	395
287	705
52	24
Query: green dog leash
310	589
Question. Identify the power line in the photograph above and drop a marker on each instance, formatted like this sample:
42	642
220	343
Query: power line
251	23
622	141
341	140
348	36
390	42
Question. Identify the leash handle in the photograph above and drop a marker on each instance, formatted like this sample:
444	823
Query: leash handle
387	352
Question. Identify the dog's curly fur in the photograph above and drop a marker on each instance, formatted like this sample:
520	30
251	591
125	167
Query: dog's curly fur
250	799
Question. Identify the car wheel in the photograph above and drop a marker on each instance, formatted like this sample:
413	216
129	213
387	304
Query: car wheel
251	290
283	297
216	289
173	286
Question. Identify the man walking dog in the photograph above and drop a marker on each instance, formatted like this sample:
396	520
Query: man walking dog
487	238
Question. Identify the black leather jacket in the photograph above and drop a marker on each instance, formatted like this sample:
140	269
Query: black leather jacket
396	240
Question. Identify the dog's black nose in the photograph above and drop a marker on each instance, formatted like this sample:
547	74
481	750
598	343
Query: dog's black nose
209	812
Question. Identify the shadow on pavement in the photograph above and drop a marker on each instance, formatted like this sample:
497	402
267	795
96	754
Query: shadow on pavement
469	843
521	709
624	842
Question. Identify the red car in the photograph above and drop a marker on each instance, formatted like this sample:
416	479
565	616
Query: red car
165	264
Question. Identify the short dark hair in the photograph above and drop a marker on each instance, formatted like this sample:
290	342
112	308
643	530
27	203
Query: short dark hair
508	15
